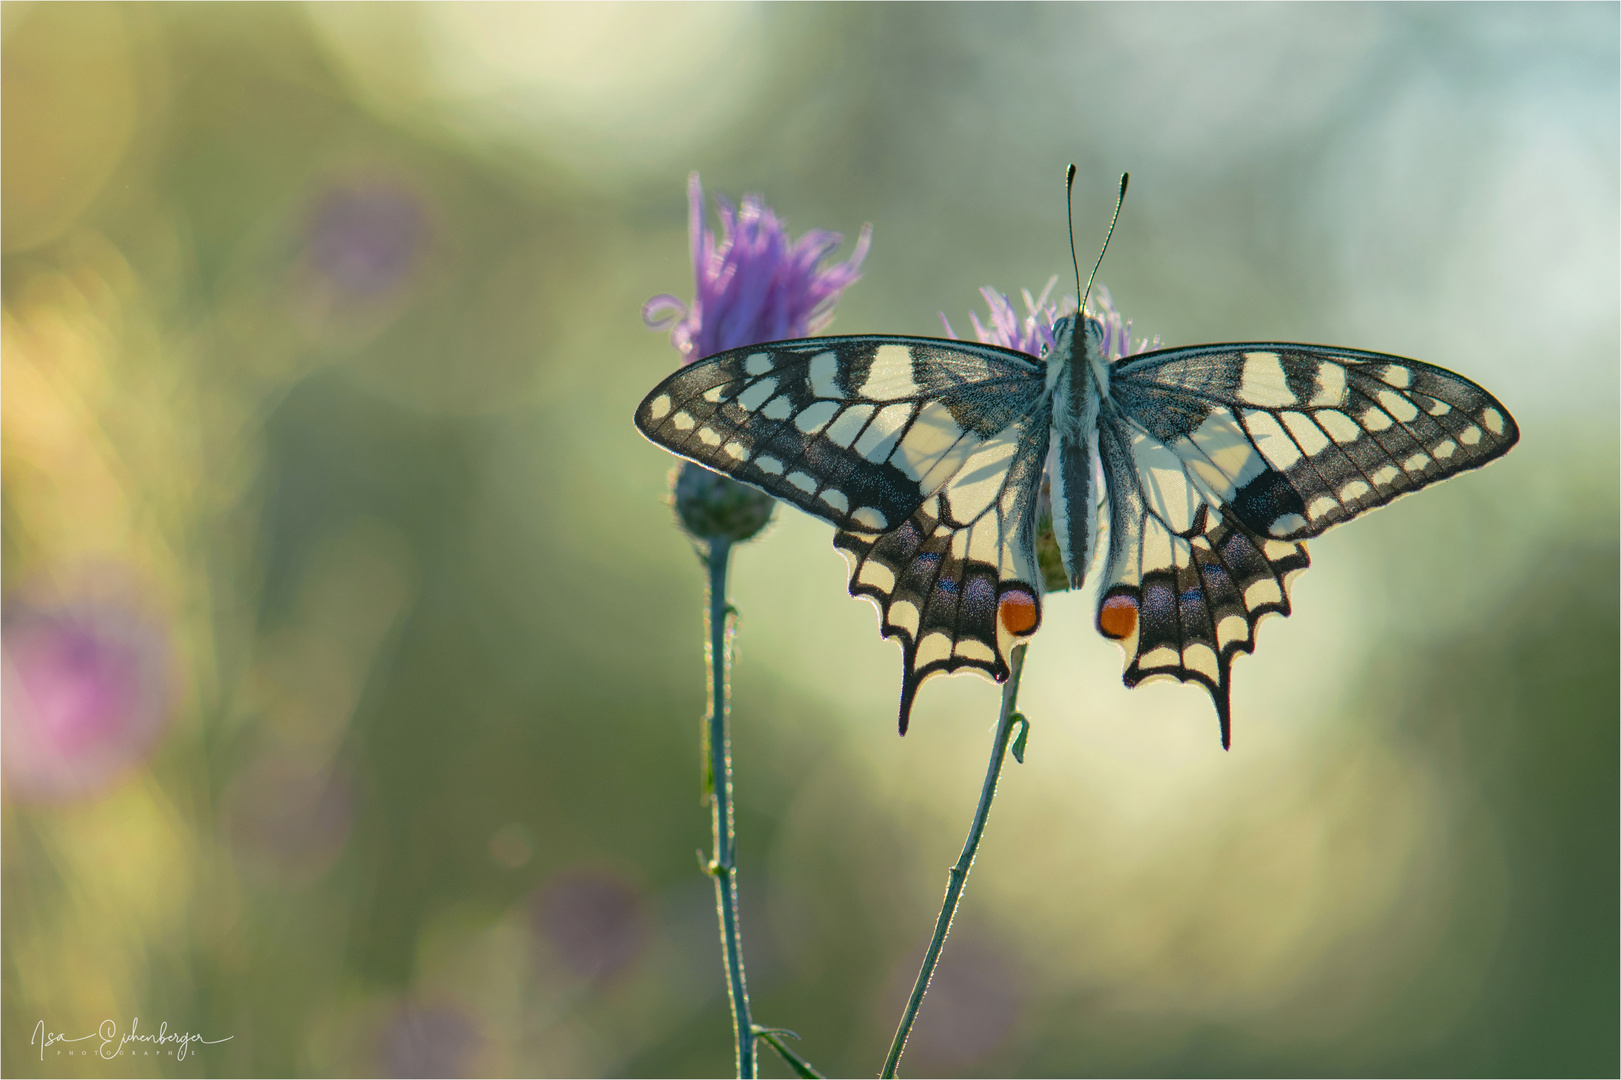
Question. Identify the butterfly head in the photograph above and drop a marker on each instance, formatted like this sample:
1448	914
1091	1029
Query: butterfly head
1096	332
1090	349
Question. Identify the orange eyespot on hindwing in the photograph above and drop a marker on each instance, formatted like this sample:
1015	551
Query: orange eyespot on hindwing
1117	617
1018	612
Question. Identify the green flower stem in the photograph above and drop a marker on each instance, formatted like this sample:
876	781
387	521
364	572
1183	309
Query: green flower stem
723	866
959	872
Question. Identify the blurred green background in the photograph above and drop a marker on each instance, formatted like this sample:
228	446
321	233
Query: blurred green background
353	662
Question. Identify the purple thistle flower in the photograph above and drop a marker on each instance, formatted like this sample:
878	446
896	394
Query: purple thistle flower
88	694
755	283
1033	334
1117	341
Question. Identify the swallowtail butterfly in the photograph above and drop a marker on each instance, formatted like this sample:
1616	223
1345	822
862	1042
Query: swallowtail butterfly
1214	464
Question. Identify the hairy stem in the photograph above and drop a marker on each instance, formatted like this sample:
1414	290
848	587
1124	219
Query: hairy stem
722	864
959	872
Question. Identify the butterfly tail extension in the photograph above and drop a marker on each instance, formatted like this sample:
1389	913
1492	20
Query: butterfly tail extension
910	681
957	583
1191	620
946	613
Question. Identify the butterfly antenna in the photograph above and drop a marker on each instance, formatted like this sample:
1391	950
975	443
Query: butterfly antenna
1069	208
1125	178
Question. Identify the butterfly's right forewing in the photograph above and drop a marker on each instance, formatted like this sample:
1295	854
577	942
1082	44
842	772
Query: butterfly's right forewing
855	430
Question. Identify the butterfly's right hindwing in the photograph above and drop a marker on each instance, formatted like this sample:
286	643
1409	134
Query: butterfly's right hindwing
858	431
957	583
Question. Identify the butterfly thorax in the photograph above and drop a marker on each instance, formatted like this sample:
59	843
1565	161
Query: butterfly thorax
1077	379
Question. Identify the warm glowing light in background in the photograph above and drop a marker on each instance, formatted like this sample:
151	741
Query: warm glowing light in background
602	88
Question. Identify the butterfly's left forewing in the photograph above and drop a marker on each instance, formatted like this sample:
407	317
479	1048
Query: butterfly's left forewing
1295	439
925	453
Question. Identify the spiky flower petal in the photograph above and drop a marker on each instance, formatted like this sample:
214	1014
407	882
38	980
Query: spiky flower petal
755	282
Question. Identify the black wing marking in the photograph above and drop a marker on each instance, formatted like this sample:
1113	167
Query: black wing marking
1294	439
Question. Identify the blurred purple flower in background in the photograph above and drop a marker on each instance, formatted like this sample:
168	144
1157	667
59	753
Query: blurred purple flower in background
430	1040
755	283
87	695
594	920
975	1000
365	237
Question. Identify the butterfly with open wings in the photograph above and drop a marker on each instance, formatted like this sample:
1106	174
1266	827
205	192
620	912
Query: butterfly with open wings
1213	463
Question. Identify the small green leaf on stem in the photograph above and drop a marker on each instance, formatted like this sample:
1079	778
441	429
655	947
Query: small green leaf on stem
1019	739
773	1036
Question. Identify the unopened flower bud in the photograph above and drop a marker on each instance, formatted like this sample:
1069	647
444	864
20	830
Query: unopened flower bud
716	507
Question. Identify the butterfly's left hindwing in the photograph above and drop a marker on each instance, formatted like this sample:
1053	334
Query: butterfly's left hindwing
926	454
